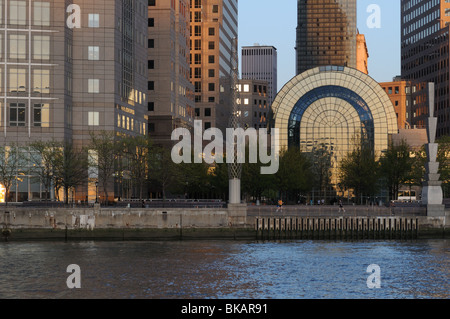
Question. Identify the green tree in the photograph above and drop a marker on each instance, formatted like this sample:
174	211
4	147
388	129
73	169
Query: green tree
9	167
219	179
359	171
42	162
163	172
136	151
444	163
321	159
294	173
396	167
71	168
102	157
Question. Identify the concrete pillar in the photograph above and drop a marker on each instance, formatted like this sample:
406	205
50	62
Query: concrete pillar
235	191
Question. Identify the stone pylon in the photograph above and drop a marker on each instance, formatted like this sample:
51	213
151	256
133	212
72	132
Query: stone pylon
432	196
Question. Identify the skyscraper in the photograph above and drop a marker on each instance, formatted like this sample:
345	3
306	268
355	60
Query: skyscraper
69	70
170	92
213	27
260	63
326	34
425	58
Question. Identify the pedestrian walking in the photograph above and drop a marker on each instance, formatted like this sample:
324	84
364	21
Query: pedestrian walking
280	206
341	206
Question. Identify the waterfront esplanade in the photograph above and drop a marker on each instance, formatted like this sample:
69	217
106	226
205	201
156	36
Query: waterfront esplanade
333	107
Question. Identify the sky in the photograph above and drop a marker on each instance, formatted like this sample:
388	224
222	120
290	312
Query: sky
268	22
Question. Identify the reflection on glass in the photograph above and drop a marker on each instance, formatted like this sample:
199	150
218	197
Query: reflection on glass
17	46
17	12
41	47
17	114
41	115
41	14
41	81
94	20
17	80
93	53
93	86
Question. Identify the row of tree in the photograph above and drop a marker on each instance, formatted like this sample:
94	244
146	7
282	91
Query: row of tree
149	169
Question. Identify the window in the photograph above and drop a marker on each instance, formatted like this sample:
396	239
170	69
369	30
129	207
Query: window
151	64
17	80
41	115
41	81
197	44
197	112
207	125
211	31
17	12
198	87
198	73
211	59
207	111
151	3
151	43
94	20
197	59
246	88
17	114
41	47
211	45
197	31
151	85
211	73
93	118
93	85
17	46
151	106
211	87
215	8
41	14
151	22
93	53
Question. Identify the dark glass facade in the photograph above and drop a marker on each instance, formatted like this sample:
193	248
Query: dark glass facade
326	33
425	58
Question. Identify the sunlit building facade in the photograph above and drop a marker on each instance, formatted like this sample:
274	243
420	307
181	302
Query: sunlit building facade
170	92
326	34
213	26
425	51
69	69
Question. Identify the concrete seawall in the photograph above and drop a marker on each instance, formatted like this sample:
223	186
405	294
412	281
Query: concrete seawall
234	222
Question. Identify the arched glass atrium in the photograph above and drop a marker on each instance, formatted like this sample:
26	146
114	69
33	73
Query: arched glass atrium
333	108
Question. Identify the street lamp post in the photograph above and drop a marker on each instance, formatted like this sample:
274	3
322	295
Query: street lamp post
96	192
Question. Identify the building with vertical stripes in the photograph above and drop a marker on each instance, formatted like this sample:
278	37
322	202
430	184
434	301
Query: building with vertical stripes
260	63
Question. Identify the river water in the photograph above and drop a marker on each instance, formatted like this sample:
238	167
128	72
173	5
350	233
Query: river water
226	269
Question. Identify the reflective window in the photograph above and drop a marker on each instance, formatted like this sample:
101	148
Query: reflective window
41	115
94	20
17	114
93	53
41	81
93	86
17	12
93	118
41	47
17	80
17	46
41	13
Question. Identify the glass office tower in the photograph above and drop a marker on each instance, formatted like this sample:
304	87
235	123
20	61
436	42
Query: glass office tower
326	33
